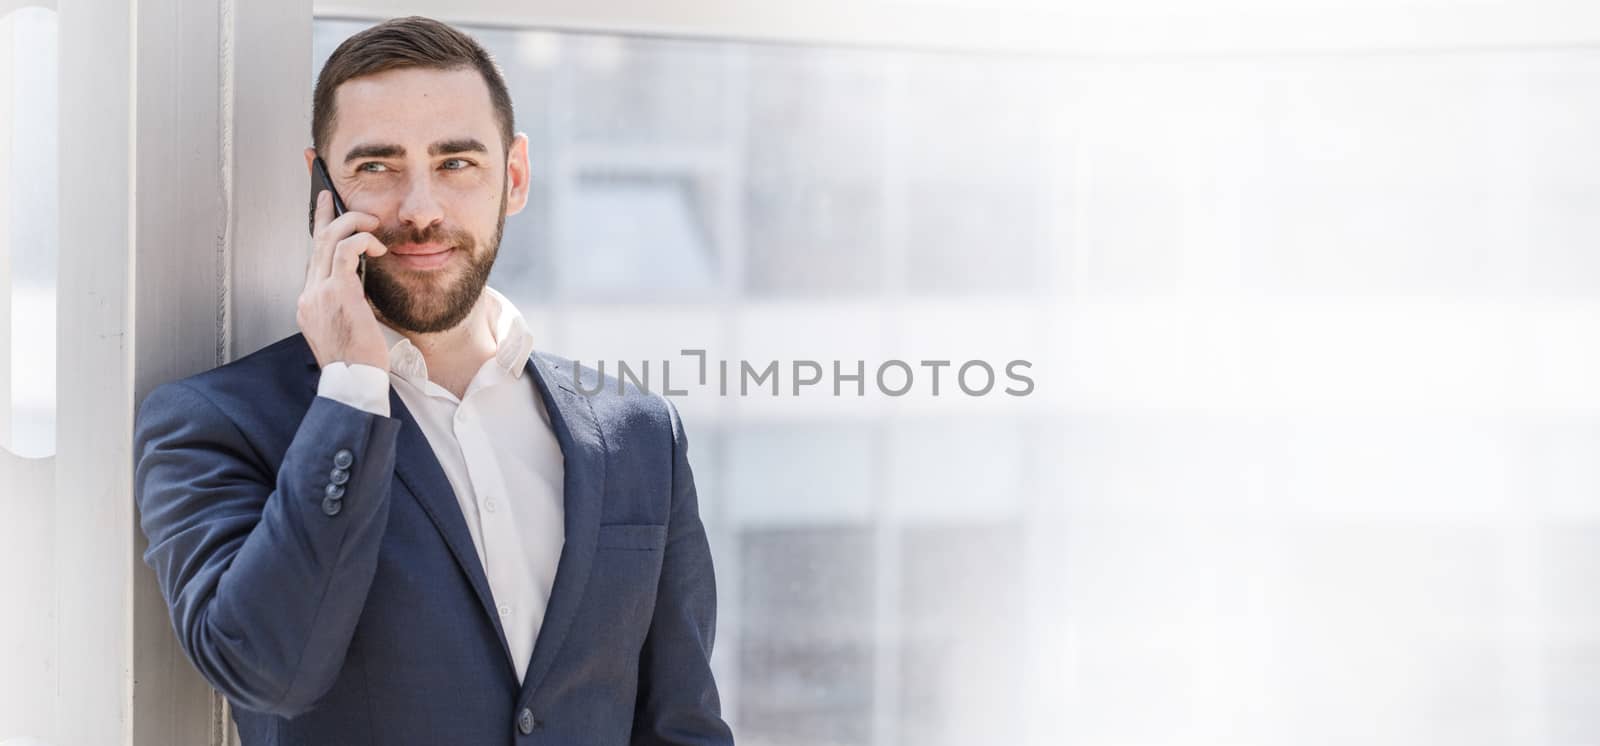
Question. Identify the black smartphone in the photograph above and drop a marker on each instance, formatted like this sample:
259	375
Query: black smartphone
320	181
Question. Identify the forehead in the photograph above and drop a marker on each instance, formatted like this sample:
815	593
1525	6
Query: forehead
412	106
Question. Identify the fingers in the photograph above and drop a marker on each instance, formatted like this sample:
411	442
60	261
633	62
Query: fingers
321	215
324	212
347	253
331	233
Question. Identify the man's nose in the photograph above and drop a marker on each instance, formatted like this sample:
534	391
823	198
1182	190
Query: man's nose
420	209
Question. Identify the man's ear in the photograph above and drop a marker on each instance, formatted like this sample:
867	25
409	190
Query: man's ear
311	155
518	174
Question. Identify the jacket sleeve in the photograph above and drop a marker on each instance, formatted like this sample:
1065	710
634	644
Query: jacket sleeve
678	702
264	582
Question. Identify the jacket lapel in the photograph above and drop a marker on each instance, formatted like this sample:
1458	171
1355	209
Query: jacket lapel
419	470
583	453
584	457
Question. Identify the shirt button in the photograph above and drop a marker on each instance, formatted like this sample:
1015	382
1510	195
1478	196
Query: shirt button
525	721
505	610
489	505
344	458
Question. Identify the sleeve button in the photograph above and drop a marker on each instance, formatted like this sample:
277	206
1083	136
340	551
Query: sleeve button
333	492
331	506
338	476
344	458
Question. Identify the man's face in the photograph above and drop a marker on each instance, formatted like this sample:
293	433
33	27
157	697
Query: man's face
421	150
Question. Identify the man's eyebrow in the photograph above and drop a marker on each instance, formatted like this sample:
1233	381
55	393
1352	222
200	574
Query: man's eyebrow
460	145
374	151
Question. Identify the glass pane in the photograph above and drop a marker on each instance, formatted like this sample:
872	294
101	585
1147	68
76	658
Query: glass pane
975	184
816	203
963	634
797	474
664	93
28	144
631	230
806	651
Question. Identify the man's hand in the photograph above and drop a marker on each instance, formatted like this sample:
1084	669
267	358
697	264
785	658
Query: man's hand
333	312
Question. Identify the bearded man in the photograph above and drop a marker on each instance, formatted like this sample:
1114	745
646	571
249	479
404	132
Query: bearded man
406	525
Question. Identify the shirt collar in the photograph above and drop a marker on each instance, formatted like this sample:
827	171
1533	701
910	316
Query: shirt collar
513	341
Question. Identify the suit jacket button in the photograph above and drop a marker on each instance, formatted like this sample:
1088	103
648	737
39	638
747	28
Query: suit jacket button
338	476
525	721
334	491
331	506
344	458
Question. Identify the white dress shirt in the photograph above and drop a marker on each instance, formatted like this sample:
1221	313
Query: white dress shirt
499	452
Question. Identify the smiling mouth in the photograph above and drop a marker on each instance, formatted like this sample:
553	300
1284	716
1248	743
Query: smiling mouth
424	260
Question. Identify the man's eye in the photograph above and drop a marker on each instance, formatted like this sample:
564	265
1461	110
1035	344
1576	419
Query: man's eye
372	167
454	164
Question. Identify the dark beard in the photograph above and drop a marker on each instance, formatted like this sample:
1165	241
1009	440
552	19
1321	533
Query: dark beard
448	306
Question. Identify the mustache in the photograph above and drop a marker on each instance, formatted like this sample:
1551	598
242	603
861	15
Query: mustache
436	233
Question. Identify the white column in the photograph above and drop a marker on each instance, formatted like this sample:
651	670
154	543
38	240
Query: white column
161	101
271	87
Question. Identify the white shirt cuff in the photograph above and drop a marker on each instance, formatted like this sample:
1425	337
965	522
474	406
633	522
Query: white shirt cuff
361	386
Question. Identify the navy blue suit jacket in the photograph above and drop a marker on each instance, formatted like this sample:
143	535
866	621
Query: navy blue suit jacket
371	622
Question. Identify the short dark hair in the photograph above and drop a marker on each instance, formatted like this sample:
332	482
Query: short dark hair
398	43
